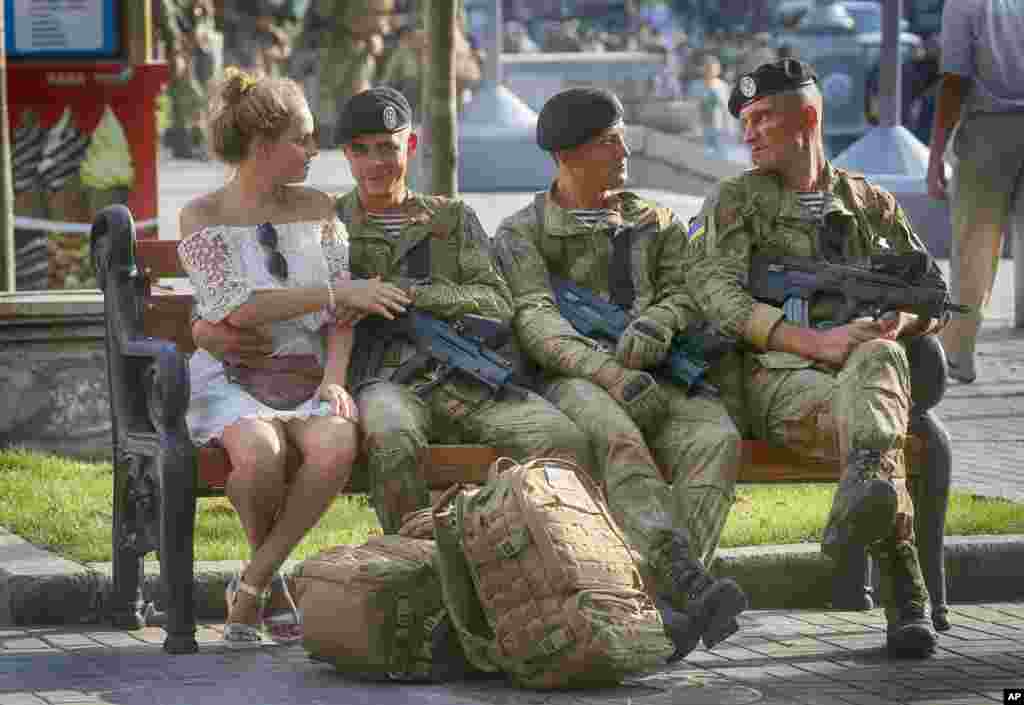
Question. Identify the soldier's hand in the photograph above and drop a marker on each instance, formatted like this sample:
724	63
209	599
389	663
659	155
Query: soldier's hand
644	344
222	338
373	296
836	344
936	178
637	392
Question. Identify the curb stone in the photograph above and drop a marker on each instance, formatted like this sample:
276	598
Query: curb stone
38	587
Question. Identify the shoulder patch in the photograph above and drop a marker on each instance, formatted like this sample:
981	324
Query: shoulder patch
697	228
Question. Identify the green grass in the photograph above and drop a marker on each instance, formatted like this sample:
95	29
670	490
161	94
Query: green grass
65	505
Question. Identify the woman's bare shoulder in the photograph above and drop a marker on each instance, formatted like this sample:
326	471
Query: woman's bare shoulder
201	212
311	204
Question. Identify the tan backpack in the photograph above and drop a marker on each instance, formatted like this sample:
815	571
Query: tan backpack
540	583
375	611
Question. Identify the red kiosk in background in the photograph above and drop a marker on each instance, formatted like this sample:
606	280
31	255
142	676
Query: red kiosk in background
82	112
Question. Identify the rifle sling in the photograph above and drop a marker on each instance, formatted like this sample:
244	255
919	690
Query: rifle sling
621	288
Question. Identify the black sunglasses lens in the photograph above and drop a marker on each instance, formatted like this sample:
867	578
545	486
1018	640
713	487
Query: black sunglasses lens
278	265
267	234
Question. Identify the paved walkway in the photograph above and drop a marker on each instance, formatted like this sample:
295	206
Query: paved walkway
778	658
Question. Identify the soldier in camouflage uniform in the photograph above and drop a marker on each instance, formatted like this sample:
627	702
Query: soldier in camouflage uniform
258	34
838	393
387	226
193	49
337	54
668	460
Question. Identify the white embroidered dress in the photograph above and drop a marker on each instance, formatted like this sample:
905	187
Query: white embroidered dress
226	264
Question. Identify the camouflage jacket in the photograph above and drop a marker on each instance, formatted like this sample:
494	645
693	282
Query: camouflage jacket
462	277
752	212
543	240
182	25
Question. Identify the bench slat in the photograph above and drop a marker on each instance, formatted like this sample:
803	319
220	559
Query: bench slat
449	464
158	258
168	316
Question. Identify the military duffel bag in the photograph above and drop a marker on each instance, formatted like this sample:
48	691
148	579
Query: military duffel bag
375	611
540	582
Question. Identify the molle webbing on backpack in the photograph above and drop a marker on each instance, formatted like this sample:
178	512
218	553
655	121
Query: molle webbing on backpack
559	602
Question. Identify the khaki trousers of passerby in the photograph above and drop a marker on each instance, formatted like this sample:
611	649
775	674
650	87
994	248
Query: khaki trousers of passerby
986	203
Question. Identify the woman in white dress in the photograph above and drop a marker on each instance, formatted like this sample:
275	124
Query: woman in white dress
271	258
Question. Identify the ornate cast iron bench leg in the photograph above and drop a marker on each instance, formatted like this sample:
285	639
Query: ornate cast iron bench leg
126	596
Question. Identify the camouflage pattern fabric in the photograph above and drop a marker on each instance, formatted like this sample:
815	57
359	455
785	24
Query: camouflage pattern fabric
252	48
374	611
857	415
678	470
555	579
194	51
397	422
345	37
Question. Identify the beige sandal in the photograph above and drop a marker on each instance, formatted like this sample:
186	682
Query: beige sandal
240	632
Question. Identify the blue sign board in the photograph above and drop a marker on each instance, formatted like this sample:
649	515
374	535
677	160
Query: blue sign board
62	29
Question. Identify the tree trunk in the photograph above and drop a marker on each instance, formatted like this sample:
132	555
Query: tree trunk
6	178
441	99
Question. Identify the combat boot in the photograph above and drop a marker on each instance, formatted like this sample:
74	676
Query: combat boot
864	507
902	589
711	605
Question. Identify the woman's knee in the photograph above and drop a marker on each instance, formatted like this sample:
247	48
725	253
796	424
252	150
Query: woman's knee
331	448
255	447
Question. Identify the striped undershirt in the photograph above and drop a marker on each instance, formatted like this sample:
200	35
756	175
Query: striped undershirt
391	222
812	202
590	216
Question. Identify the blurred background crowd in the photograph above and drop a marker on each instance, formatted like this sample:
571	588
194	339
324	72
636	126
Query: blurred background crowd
336	48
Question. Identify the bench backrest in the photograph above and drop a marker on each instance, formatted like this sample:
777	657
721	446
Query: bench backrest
165	314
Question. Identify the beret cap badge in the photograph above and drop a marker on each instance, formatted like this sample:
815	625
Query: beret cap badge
390	118
769	79
748	87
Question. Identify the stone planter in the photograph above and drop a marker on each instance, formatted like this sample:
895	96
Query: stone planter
53	377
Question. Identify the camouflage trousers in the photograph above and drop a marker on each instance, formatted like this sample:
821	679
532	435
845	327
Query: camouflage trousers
681	477
863	410
398	425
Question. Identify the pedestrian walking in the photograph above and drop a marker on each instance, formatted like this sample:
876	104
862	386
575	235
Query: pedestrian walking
982	94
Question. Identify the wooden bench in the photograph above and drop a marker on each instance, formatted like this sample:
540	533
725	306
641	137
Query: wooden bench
159	474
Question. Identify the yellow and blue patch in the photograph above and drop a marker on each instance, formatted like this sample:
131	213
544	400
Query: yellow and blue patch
697	228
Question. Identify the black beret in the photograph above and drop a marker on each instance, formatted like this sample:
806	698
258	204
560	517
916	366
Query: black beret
380	109
573	116
766	79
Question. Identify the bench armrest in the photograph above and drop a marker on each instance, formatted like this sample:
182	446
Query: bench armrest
927	372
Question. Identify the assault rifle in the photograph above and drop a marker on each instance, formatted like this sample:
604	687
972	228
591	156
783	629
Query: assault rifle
690	355
881	284
463	348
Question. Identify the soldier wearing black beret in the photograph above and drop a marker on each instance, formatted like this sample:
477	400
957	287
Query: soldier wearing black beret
769	79
843	382
643	428
381	109
573	116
